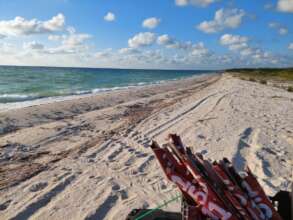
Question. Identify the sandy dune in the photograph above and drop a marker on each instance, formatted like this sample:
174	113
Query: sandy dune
88	158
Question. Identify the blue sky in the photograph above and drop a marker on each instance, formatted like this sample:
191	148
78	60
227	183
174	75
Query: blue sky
176	34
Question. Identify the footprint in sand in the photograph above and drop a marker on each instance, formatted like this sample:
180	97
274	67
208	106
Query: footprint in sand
146	144
123	194
115	187
38	186
5	205
129	162
140	154
144	165
131	150
204	152
114	154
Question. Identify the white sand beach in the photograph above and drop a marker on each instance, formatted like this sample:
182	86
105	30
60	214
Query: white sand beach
89	157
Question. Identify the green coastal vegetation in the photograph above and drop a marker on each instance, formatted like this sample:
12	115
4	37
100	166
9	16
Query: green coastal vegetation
265	73
280	77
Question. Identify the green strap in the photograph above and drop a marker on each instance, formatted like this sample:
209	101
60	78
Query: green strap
158	207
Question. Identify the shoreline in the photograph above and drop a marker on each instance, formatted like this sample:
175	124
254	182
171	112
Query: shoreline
84	94
24	116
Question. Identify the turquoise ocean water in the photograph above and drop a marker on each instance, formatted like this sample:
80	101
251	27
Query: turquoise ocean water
28	83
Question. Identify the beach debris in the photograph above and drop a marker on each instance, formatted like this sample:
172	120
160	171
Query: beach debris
212	190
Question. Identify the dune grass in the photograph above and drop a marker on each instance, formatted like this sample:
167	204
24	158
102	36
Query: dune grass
282	78
263	74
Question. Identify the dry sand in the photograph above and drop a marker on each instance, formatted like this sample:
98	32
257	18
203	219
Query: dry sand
88	158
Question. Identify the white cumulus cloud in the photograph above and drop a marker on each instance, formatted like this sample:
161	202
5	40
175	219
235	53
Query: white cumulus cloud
199	50
54	37
21	26
104	54
73	40
282	30
71	43
165	39
191	50
151	22
7	48
128	50
290	47
285	6
236	43
109	17
201	3
241	45
224	18
229	39
33	45
170	42
142	39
